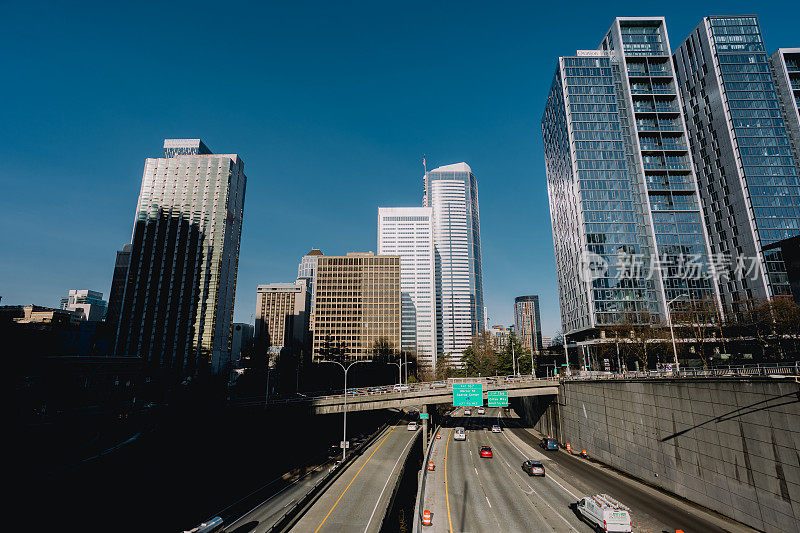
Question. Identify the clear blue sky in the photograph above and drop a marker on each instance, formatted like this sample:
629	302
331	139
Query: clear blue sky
330	104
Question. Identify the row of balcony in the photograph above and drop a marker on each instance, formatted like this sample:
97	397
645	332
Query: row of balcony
663	146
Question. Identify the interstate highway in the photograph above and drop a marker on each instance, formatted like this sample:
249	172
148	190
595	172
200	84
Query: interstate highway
496	495
358	499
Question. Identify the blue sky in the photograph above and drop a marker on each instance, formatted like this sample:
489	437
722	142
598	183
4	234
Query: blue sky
330	104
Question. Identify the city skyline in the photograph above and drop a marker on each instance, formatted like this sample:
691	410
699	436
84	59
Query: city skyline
118	130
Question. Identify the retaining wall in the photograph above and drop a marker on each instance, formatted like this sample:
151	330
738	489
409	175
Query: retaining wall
729	445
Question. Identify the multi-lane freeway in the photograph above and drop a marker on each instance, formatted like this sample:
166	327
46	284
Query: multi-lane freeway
466	492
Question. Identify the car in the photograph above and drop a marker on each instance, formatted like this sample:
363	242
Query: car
467	412
605	513
533	468
496	429
401	388
549	443
481	411
486	452
460	434
412	426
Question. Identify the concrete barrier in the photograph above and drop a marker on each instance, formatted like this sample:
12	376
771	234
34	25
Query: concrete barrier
728	444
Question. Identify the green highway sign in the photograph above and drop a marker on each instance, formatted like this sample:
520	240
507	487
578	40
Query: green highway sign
423	416
498	398
467	394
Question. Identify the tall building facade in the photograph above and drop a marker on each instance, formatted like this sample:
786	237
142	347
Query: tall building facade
624	204
306	270
785	63
177	305
527	322
118	282
408	233
357	302
451	192
282	311
88	305
747	172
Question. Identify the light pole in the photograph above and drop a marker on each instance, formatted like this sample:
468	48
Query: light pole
344	425
566	355
672	331
513	357
399	371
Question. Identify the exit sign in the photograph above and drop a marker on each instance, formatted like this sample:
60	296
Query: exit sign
498	398
467	394
423	416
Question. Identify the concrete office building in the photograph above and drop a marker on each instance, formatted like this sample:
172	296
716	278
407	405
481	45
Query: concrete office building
785	63
177	305
282	311
452	193
527	322
624	204
86	304
747	173
408	232
500	336
357	302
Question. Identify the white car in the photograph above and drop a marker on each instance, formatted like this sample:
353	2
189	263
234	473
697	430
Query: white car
460	434
412	426
481	411
467	412
401	388
495	429
605	513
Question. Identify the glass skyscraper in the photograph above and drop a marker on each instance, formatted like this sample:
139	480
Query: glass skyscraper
527	322
747	172
452	193
624	203
177	301
408	232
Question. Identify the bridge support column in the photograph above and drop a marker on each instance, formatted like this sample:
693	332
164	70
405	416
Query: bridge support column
425	432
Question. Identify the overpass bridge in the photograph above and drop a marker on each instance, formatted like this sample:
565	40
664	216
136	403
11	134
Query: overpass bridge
414	394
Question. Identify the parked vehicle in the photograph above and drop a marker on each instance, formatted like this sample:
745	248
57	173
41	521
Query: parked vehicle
605	513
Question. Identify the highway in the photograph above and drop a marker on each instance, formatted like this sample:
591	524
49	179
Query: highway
358	499
474	494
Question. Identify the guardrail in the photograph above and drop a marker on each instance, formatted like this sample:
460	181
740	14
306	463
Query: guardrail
760	370
421	489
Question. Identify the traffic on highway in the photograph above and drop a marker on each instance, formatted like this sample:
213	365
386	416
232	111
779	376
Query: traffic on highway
493	474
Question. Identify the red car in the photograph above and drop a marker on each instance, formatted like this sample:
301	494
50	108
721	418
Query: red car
486	452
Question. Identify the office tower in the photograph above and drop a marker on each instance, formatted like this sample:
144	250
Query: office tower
88	305
452	193
546	340
747	174
241	337
500	336
357	303
118	282
408	232
527	322
177	307
306	270
785	64
282	314
624	207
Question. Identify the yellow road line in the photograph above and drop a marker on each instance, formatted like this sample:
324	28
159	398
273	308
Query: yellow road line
446	493
354	478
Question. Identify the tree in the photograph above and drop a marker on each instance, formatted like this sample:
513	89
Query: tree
382	350
480	357
505	359
696	320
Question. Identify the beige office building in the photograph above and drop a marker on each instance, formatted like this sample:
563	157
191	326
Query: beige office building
282	313
356	302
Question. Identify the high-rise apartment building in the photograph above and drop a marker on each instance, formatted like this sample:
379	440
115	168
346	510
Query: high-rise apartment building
282	314
624	205
785	63
177	304
527	322
408	232
88	305
357	302
747	173
452	193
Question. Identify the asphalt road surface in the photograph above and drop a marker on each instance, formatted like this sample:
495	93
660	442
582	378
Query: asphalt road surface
358	499
467	493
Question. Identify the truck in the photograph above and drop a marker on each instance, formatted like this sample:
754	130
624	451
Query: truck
605	513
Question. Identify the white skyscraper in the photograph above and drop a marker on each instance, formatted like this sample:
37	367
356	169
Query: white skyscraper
408	232
452	192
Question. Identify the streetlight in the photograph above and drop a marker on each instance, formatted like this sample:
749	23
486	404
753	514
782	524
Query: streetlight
400	371
344	427
672	331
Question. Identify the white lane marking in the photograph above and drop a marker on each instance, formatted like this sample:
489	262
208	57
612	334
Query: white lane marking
476	471
537	494
487	501
387	483
551	477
